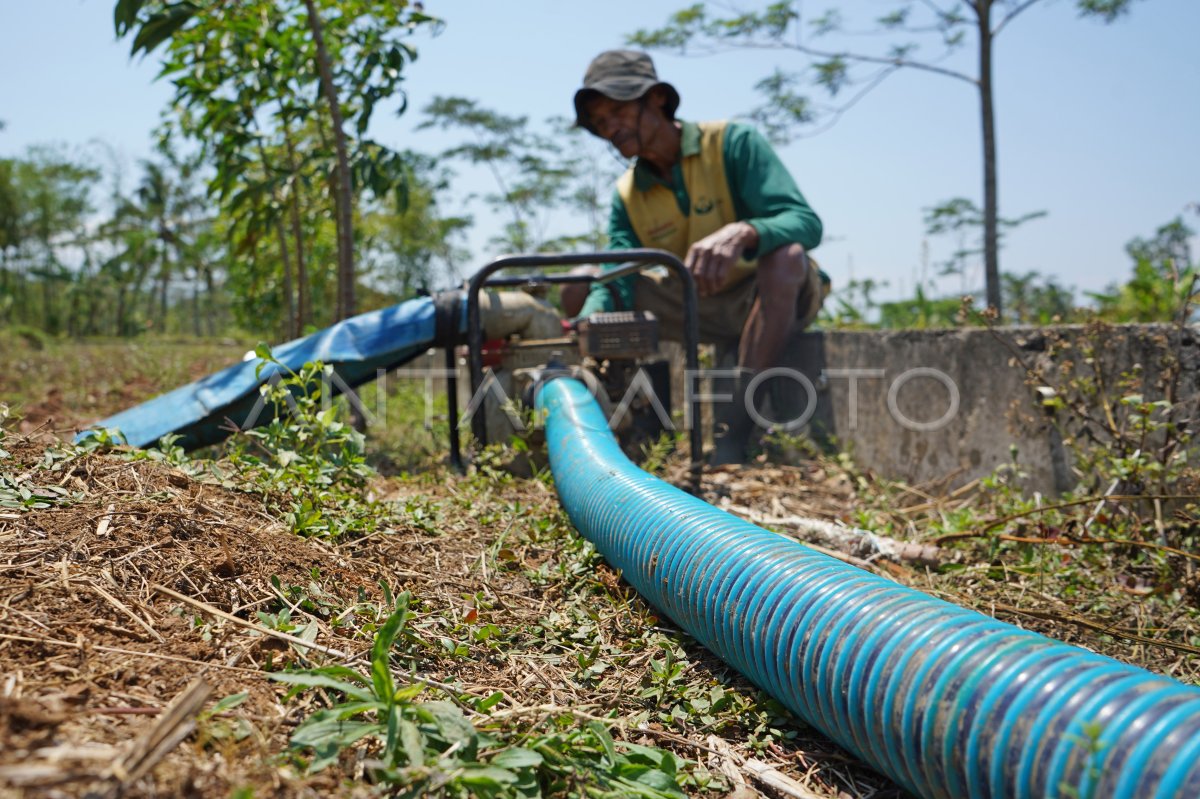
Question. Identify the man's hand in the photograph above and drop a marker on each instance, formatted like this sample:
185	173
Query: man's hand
710	259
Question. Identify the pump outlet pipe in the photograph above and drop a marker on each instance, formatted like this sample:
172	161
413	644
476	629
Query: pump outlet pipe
945	701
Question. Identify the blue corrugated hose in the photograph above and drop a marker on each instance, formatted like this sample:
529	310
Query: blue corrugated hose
945	701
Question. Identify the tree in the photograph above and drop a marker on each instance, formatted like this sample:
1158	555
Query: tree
238	65
1032	299
1163	285
587	195
409	234
11	234
964	221
781	25
151	245
45	199
518	159
139	228
535	173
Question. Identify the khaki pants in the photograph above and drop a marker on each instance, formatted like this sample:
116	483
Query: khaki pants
723	315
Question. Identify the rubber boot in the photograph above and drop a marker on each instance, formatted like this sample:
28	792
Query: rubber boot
732	425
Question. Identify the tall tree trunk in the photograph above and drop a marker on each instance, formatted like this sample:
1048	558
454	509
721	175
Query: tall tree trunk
74	324
164	275
89	326
21	292
211	300
134	296
289	299
164	280
150	300
80	283
289	319
343	193
991	230
303	314
5	290
47	315
91	293
158	307
120	320
196	304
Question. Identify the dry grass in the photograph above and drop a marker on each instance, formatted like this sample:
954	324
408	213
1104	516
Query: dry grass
113	605
68	385
139	594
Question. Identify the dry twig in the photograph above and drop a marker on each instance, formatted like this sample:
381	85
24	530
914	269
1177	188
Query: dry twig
176	723
259	628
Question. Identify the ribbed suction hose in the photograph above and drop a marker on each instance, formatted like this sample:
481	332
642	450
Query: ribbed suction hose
945	701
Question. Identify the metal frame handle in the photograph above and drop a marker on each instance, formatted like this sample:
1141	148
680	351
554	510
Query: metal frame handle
632	261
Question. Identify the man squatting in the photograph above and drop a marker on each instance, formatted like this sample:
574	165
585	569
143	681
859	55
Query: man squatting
717	196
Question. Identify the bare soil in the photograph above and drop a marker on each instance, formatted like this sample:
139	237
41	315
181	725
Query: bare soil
149	582
113	605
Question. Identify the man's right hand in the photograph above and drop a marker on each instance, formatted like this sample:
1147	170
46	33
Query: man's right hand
711	258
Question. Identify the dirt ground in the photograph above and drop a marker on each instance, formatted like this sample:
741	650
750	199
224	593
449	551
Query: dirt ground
65	387
140	613
95	646
148	583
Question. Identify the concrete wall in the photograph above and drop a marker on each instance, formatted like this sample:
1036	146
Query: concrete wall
949	406
889	398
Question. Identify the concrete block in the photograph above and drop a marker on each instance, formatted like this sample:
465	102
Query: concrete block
950	405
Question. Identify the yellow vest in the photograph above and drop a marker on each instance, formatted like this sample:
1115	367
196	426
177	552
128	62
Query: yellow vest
655	215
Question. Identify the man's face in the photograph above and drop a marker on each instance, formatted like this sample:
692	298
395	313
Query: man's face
627	124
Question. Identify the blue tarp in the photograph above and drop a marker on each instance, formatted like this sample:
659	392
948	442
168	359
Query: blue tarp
357	348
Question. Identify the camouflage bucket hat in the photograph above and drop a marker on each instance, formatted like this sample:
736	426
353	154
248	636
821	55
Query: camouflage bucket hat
621	75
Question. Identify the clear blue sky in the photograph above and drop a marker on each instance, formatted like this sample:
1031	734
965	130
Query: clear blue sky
1097	124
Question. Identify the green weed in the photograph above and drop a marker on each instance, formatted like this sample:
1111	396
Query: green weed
21	493
214	724
308	455
430	748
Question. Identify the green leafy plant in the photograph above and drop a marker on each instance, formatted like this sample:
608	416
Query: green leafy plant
1091	741
666	679
20	493
214	724
308	453
429	747
102	439
657	454
167	451
1125	431
1163	287
372	704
